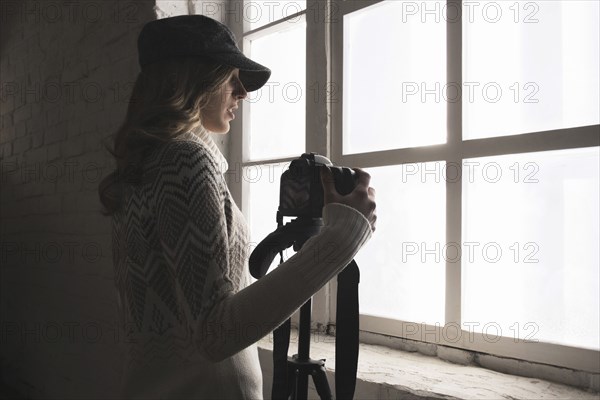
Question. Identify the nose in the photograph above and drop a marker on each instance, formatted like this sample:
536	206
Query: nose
241	93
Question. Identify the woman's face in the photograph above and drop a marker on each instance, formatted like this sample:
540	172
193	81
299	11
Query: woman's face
222	103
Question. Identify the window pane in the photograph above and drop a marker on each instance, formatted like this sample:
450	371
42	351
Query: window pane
262	183
530	261
262	12
394	78
277	110
402	266
530	66
262	187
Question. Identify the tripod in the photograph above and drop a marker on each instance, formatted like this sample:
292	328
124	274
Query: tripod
300	366
290	374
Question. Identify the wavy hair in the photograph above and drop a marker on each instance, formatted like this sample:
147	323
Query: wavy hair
166	102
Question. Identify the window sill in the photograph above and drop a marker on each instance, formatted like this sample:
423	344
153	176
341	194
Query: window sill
387	373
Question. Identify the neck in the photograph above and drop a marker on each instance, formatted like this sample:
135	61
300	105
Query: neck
201	135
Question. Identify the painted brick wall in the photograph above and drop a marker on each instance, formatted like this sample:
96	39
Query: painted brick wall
66	68
66	72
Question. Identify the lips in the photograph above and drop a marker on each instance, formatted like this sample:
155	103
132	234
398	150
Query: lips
230	112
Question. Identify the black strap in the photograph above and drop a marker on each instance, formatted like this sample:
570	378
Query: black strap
346	332
281	343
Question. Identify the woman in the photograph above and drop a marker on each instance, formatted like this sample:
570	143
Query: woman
190	315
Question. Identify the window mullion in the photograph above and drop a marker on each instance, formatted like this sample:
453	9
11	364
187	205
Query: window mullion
454	159
236	149
317	112
317	78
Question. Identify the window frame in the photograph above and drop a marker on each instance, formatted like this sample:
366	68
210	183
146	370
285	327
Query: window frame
317	121
324	121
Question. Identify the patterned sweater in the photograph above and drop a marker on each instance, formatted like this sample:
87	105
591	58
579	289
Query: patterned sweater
189	314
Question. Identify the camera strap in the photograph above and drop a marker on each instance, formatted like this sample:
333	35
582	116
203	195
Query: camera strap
346	331
281	344
346	340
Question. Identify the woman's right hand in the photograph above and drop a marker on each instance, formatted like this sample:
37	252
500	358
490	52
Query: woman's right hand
362	198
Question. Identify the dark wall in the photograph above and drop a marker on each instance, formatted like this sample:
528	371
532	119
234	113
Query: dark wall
66	70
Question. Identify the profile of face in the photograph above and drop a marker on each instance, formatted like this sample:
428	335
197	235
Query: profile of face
222	103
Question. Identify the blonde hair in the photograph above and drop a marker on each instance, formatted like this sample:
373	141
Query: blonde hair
166	102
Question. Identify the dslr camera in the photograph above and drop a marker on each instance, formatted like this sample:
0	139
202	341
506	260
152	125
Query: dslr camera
300	195
301	191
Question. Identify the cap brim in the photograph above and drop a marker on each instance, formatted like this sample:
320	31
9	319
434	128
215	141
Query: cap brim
252	74
254	80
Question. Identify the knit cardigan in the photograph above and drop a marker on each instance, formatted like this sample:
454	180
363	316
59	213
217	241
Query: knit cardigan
190	316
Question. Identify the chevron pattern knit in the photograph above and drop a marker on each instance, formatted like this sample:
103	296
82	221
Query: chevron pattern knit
189	315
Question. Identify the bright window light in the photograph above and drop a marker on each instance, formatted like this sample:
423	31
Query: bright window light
530	66
262	12
394	79
402	268
530	262
278	109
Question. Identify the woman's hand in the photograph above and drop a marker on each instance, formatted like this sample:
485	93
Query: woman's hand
362	198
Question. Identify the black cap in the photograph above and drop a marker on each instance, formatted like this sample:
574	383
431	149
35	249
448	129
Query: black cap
198	36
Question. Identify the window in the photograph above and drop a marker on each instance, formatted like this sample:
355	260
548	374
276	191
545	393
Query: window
479	123
486	165
272	127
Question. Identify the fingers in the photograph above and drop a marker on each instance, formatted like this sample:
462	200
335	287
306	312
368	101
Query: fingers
362	185
372	207
362	197
363	178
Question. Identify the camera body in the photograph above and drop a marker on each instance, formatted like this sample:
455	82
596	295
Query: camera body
301	190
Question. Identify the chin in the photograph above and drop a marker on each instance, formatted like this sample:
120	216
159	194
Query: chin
223	131
220	130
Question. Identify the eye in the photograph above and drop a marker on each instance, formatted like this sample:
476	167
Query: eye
235	82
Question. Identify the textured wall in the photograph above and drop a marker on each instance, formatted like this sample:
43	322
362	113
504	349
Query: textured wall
66	72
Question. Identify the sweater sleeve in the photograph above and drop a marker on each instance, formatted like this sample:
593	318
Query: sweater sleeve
225	322
256	310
